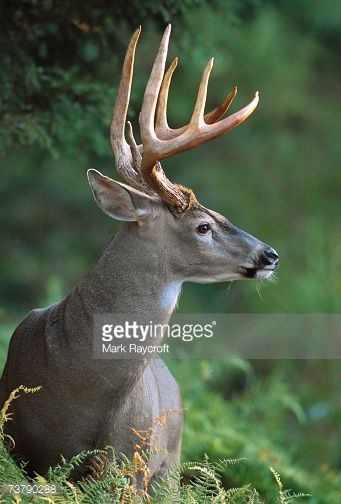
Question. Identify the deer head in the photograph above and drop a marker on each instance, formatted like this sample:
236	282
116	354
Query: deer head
197	244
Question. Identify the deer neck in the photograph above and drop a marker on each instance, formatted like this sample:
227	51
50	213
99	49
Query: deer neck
130	277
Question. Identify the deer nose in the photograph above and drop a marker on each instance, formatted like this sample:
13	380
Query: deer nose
270	256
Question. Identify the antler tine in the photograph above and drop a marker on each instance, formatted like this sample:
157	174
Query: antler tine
119	145
211	131
197	118
134	148
138	181
219	111
147	114
162	130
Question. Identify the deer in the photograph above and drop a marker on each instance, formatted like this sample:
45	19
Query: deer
166	238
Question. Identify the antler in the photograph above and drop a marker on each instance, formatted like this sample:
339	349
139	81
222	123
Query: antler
159	141
127	156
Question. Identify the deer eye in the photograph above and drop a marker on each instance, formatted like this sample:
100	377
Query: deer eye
203	228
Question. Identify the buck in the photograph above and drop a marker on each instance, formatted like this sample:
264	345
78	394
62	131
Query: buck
167	238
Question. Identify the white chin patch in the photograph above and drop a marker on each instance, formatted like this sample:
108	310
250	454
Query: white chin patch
264	273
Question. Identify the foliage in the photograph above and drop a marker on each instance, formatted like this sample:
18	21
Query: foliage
276	176
55	73
116	481
272	414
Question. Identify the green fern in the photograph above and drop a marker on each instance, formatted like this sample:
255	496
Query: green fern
113	481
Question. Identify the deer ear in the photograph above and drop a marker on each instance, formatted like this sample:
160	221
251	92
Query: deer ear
118	200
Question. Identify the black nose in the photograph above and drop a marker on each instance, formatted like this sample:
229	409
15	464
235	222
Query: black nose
270	256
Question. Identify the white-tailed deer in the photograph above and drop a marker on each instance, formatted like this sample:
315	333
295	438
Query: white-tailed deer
167	238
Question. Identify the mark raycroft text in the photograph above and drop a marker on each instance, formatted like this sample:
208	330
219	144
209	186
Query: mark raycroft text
133	348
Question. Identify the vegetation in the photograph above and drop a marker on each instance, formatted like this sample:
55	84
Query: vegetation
276	176
112	481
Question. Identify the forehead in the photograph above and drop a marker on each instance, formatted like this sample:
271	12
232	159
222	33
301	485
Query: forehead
219	219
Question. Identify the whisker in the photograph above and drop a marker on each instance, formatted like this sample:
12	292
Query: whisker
273	279
258	287
228	289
